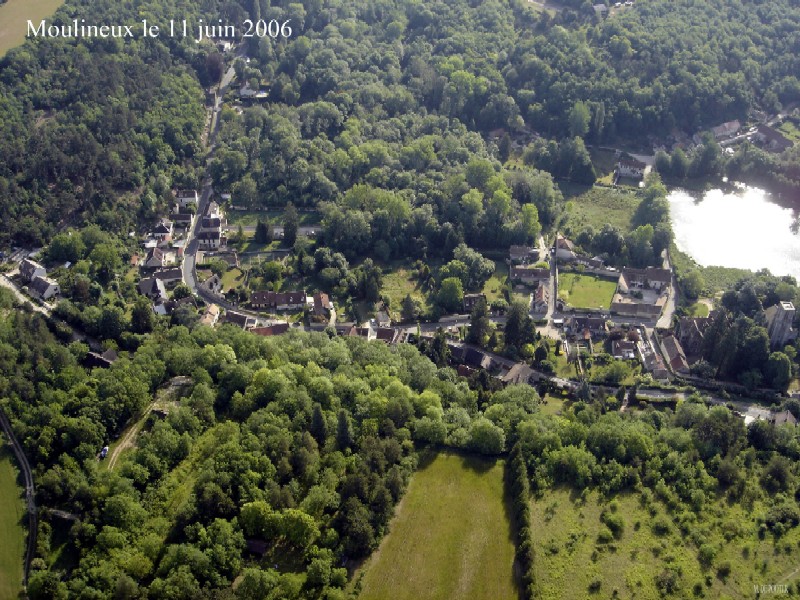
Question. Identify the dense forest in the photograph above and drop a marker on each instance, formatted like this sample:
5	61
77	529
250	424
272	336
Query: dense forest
274	462
391	95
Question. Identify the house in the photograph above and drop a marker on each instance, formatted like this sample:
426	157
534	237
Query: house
594	326
152	288
601	10
471	301
163	231
294	300
44	287
382	318
274	329
211	223
476	359
529	275
103	361
649	278
186	197
779	324
541	299
676	358
623	349
520	373
389	335
594	262
726	129
210	240
210	315
155	259
238	319
631	168
212	285
322	304
169	276
783	418
691	331
182	220
565	249
29	269
523	254
772	139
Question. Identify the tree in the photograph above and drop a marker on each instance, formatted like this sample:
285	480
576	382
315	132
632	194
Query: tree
410	309
291	223
263	233
693	284
319	427
486	437
105	260
480	325
579	118
142	316
519	326
779	371
344	430
451	295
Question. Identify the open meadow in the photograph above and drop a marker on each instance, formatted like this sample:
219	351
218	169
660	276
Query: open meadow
14	16
630	547
450	537
12	533
598	206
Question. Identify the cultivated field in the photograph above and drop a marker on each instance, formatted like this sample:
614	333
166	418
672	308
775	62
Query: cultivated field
14	16
12	533
574	561
585	291
449	539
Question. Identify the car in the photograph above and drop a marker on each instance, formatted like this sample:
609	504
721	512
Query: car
103	452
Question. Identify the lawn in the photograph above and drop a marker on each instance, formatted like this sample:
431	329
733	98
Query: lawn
698	309
570	558
599	206
585	291
251	217
12	532
604	162
493	288
231	279
14	16
450	537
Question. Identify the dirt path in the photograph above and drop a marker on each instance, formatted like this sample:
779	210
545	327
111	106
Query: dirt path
128	439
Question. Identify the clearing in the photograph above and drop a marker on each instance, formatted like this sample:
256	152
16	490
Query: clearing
450	537
12	532
493	288
571	560
586	291
14	16
398	281
599	206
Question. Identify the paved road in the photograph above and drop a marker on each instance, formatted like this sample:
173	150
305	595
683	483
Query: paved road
665	322
8	283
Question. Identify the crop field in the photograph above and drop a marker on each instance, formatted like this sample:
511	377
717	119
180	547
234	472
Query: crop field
585	291
14	16
450	537
12	533
576	559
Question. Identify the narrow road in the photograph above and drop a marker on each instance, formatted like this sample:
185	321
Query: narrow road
30	493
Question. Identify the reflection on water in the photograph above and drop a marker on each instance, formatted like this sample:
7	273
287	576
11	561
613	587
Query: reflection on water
742	229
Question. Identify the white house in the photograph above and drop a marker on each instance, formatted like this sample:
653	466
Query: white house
30	269
631	168
187	197
44	287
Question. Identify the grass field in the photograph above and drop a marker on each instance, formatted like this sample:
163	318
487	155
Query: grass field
12	532
604	163
493	288
449	539
571	560
14	16
790	130
585	291
232	279
251	217
698	309
599	206
398	281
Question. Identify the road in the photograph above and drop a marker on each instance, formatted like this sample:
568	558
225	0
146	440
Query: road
665	322
30	493
9	284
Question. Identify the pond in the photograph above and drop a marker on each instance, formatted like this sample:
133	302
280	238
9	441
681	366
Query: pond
742	229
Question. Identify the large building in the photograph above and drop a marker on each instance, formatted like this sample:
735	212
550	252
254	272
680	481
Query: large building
779	324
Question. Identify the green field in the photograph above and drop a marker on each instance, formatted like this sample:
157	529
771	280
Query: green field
251	217
12	532
14	16
398	281
790	130
571	559
493	288
585	291
599	206
450	537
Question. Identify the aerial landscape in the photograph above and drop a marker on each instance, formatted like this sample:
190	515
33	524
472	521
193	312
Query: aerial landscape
390	299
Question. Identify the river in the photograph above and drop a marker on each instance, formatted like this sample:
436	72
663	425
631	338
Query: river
742	229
